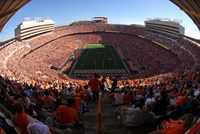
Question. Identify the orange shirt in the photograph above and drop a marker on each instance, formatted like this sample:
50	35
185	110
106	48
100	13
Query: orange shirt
174	127
140	91
22	122
77	104
79	89
127	98
84	95
40	99
94	85
175	130
66	114
181	100
48	101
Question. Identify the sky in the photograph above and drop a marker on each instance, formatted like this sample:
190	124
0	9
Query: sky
64	12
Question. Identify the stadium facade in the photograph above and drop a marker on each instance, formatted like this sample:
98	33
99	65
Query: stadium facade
103	20
165	26
30	28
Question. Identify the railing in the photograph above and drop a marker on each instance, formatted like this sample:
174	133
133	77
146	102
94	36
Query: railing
99	115
8	42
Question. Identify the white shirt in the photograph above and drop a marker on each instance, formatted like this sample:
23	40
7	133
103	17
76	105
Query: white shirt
119	98
150	101
196	92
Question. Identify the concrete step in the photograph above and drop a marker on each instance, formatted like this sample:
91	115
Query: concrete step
114	131
94	120
105	125
106	100
110	124
111	111
108	115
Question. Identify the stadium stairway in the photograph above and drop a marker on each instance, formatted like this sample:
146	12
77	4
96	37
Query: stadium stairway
110	124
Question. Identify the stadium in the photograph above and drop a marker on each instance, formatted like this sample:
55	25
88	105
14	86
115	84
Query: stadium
47	68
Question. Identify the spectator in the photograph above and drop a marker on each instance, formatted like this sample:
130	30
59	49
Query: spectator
48	100
160	107
22	118
37	127
94	84
137	116
66	114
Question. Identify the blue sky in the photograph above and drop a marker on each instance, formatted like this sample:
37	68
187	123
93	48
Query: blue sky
118	11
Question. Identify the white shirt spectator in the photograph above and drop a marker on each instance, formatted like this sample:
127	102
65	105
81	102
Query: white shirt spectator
119	98
137	117
196	92
133	117
150	101
38	128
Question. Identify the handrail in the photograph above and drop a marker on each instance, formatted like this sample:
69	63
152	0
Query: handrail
99	111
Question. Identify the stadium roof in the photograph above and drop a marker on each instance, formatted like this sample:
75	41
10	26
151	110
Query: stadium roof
191	8
8	8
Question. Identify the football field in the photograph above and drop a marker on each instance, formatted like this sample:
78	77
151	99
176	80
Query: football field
99	58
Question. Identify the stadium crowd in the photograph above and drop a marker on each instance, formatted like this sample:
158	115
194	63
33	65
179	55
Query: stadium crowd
19	59
172	102
175	46
46	55
160	100
39	98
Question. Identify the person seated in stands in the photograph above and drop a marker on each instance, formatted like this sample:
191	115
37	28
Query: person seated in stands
138	116
22	118
38	127
27	103
48	100
196	91
38	97
71	91
172	112
181	100
150	99
177	126
128	97
66	114
94	85
77	104
160	107
41	113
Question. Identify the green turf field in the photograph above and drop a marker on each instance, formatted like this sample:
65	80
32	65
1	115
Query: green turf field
100	58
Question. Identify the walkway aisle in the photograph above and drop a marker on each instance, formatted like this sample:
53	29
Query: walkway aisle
110	125
90	122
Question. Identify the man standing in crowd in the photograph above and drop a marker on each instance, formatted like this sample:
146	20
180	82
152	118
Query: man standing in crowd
94	84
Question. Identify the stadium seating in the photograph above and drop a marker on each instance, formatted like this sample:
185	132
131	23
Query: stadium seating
168	67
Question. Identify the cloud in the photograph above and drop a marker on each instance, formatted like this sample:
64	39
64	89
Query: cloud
192	32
